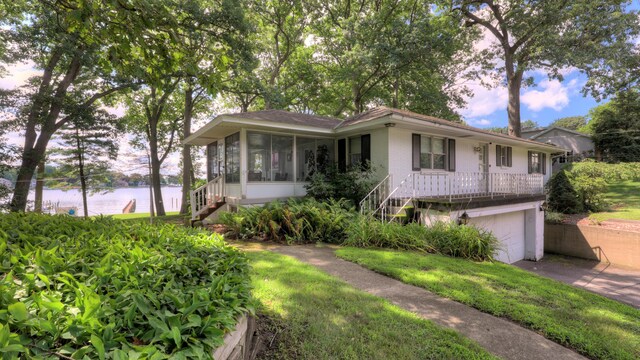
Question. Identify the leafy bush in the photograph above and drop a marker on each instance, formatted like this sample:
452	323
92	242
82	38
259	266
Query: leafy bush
563	197
295	221
102	288
590	180
308	221
352	185
553	217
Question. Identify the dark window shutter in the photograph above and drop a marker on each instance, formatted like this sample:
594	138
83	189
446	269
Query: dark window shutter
543	163
509	156
365	154
342	155
415	148
451	156
498	155
529	161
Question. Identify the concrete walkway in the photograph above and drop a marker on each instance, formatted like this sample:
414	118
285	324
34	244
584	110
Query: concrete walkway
500	337
615	283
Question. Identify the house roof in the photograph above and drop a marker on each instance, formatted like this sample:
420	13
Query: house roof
382	111
543	131
307	122
286	117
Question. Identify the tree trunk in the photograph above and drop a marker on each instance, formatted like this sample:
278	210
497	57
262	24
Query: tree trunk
186	151
39	187
83	180
155	167
514	83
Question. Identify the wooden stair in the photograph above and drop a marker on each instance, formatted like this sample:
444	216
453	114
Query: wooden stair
210	210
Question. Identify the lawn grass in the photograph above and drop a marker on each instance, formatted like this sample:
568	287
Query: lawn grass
143	215
593	325
625	198
321	317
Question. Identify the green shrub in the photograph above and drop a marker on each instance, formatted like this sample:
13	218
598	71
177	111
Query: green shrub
552	217
590	180
352	185
562	196
294	221
102	288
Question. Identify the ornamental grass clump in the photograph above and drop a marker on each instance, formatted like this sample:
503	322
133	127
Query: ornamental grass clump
102	288
309	221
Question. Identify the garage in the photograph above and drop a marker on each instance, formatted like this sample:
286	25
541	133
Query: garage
509	228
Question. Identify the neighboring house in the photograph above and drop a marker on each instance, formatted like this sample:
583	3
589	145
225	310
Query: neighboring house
579	146
445	169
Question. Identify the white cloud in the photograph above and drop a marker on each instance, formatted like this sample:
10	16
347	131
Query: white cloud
18	75
485	101
480	122
553	95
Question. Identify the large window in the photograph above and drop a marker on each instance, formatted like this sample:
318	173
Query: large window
313	155
270	157
232	158
537	162
503	155
360	150
432	154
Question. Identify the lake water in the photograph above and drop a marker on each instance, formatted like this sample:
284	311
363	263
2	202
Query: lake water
112	202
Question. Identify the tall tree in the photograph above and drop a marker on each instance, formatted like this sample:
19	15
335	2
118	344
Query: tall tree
615	127
373	50
87	143
155	115
595	36
570	122
78	44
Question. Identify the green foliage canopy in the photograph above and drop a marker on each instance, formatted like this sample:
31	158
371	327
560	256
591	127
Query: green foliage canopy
615	127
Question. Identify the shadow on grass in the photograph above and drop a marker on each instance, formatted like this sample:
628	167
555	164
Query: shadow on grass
589	323
324	318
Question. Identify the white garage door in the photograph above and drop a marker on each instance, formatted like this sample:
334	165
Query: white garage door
509	229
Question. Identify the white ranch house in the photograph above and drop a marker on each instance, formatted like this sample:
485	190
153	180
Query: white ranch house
445	169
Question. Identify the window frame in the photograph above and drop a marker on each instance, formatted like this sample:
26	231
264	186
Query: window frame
432	153
505	154
269	175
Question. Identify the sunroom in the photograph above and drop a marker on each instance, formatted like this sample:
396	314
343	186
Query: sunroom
261	158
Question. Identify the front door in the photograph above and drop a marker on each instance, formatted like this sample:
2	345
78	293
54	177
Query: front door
483	169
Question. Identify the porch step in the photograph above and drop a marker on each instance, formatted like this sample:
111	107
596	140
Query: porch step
210	210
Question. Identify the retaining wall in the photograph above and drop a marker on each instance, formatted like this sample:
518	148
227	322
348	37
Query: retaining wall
617	247
239	344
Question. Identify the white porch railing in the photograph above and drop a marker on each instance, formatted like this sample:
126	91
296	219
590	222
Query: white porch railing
206	195
376	196
451	186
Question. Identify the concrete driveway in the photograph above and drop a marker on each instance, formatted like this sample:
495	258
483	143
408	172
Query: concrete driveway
615	283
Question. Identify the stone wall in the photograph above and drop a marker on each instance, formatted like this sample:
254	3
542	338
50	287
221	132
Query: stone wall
590	242
239	344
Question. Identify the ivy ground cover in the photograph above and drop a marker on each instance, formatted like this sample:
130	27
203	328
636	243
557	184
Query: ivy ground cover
103	288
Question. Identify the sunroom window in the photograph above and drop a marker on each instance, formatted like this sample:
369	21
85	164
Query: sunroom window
232	158
270	157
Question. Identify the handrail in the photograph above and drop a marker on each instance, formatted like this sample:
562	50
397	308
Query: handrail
371	200
450	186
206	195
